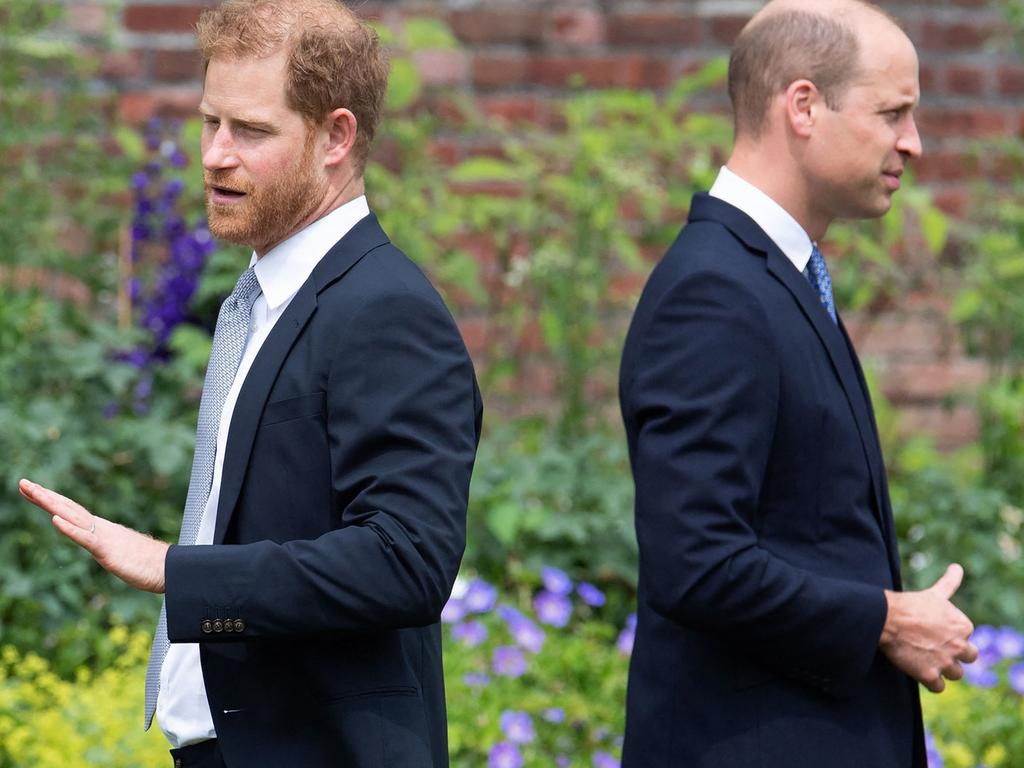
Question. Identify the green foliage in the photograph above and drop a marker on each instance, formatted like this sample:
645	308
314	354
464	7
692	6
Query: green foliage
537	502
975	726
95	719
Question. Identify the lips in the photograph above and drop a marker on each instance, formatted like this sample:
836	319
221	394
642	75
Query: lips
222	195
892	178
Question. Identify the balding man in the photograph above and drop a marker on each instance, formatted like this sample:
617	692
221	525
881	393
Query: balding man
337	433
772	631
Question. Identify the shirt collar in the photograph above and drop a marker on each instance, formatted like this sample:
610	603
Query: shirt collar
283	269
776	222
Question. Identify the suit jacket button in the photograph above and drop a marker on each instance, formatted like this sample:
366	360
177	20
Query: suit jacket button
239	625
218	625
229	625
206	626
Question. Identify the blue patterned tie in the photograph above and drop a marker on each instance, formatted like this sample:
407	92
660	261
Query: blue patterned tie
228	344
821	281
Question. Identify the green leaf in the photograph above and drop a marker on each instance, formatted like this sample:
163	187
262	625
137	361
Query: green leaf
423	33
935	226
404	85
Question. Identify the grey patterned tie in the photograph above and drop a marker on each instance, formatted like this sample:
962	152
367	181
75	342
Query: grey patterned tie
228	344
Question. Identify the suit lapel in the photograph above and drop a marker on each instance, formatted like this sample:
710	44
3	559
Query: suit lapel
252	397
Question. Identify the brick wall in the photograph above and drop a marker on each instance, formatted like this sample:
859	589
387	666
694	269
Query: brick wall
518	56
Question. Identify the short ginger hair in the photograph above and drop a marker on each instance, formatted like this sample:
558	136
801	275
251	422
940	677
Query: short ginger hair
788	45
334	59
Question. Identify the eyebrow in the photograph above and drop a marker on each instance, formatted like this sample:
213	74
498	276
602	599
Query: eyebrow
243	122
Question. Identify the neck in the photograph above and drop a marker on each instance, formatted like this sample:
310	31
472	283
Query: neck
770	170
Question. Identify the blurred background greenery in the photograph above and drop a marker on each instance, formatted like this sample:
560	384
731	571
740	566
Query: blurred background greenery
109	285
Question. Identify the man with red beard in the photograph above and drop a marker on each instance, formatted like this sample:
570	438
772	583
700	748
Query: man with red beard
325	519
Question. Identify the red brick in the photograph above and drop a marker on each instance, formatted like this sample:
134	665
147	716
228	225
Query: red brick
951	428
474	334
946	166
961	35
976	122
162	18
122	65
510	189
653	29
517	109
172	65
497	71
725	29
577	27
441	67
498	26
137	106
894	338
955	202
965	80
446	151
622	71
927	77
932	381
86	18
1011	81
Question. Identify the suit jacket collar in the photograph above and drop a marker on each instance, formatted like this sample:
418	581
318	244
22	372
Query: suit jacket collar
346	253
832	336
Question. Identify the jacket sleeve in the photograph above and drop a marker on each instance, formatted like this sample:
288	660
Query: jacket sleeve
702	399
402	420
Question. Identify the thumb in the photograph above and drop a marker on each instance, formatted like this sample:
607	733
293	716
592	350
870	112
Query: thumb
950	581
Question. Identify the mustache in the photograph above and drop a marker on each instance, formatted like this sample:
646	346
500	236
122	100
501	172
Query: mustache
223	180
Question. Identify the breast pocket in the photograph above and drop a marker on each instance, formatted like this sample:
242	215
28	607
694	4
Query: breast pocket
289	409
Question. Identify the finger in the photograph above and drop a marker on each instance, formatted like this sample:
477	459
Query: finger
81	536
935	685
953	672
950	581
55	504
968	654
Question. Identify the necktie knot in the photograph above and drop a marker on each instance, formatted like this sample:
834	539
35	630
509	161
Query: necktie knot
821	281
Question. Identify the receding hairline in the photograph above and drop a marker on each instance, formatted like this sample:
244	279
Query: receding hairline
850	13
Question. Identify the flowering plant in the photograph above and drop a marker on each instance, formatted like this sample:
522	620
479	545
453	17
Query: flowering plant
536	677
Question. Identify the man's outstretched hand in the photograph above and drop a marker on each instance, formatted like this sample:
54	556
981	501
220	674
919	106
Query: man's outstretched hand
133	557
925	635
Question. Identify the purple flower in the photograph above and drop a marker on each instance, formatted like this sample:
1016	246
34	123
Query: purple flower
1009	642
454	610
604	760
517	726
480	596
476	679
523	630
562	761
470	634
552	609
140	180
173	188
508	661
554	714
1016	677
980	674
110	410
504	755
932	751
556	580
590	594
627	636
178	159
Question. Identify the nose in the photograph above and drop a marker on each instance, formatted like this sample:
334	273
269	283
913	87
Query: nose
218	148
909	141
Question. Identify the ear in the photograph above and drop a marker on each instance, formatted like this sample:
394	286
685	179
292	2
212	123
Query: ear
341	128
803	101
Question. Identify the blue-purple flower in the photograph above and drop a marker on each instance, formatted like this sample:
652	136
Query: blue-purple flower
553	715
508	661
1009	642
517	726
552	609
479	596
605	760
627	636
476	679
504	755
1016	677
932	751
470	633
590	594
523	630
980	674
556	580
454	610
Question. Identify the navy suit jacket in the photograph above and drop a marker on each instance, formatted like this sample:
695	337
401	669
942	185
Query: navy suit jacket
763	519
340	526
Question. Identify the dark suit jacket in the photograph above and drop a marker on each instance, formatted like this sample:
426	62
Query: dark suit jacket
763	518
341	525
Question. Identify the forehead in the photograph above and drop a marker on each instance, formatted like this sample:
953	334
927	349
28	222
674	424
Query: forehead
251	85
888	67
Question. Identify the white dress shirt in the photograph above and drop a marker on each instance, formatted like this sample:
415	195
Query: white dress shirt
775	220
182	709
